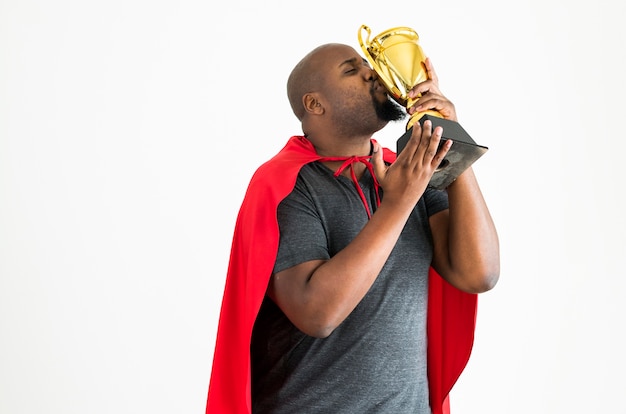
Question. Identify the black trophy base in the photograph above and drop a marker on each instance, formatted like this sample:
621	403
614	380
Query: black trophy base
460	156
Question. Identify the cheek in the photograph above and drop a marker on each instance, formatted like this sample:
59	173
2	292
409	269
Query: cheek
344	99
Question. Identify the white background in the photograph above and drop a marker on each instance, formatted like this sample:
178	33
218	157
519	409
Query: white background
129	131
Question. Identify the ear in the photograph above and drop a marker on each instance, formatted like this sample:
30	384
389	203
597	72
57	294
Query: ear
312	104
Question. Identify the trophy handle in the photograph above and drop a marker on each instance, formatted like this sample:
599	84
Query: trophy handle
369	33
372	49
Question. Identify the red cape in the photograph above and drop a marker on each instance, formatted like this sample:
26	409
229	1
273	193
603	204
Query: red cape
451	312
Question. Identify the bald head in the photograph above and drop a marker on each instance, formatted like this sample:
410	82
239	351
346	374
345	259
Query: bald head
307	76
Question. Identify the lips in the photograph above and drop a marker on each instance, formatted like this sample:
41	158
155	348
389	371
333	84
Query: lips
379	88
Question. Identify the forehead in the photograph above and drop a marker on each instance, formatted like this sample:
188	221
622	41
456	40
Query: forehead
335	55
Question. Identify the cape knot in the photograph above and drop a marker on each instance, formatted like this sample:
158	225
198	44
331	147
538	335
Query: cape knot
349	162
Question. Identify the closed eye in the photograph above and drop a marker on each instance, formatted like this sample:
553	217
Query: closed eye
351	66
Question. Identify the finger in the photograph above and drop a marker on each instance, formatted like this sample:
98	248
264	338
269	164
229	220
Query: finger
437	150
441	154
426	138
421	89
428	144
431	85
422	137
410	149
430	70
377	162
434	138
435	103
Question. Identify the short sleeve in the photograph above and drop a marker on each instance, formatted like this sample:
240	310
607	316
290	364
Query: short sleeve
302	234
435	200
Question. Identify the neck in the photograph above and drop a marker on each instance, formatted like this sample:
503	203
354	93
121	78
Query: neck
335	147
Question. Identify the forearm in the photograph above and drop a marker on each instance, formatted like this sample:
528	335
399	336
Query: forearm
337	286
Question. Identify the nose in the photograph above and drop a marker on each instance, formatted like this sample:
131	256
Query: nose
370	74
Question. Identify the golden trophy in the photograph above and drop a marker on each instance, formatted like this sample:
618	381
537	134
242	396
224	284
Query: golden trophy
398	59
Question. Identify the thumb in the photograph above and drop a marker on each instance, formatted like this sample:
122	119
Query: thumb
377	162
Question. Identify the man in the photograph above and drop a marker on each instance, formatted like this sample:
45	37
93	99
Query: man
332	274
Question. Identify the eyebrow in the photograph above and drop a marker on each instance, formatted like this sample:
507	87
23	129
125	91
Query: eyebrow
352	61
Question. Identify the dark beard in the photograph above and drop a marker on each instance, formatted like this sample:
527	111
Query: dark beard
389	110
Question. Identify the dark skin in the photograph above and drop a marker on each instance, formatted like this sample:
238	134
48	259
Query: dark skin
339	119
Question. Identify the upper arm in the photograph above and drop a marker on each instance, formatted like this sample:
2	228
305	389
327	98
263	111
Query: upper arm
443	260
302	249
460	256
302	233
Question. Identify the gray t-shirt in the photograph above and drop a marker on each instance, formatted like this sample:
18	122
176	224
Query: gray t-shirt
375	361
